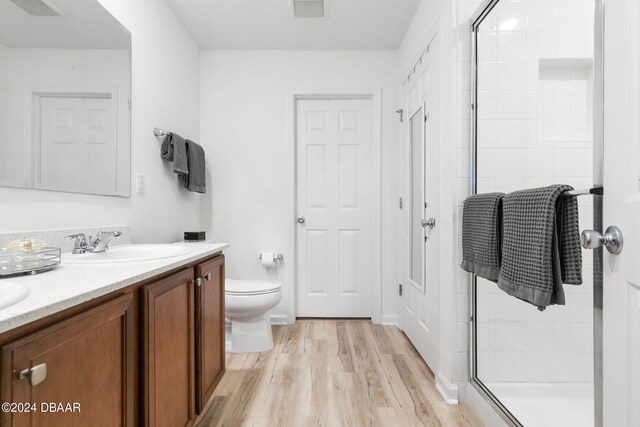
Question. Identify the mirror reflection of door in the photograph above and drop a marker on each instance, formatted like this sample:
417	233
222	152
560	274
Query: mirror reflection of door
75	148
417	214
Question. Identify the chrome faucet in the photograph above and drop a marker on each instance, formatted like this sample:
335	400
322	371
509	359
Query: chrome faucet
100	244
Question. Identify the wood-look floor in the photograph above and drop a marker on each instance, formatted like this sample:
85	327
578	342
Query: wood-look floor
333	373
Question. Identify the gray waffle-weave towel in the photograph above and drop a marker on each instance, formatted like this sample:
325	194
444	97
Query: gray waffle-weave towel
174	149
196	180
540	245
481	229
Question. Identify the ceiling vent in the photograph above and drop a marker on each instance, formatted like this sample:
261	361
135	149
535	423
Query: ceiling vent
37	7
307	8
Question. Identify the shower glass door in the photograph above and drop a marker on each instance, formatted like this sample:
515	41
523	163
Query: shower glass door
533	126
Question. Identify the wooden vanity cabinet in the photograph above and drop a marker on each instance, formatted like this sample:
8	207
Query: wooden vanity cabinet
147	355
88	359
210	354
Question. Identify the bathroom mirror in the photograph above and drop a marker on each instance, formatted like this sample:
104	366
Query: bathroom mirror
65	94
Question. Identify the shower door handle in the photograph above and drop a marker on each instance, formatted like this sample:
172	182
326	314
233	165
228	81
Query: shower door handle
611	239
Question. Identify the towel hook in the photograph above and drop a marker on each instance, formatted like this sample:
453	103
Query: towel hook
159	132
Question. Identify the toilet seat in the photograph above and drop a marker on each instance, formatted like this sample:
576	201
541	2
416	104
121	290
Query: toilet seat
250	287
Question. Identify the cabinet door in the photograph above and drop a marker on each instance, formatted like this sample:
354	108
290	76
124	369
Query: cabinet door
168	351
89	361
210	361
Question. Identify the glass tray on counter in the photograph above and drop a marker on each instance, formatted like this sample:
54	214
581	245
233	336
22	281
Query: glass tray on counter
12	263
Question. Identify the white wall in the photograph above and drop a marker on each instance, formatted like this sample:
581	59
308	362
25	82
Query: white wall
416	37
165	93
61	70
245	115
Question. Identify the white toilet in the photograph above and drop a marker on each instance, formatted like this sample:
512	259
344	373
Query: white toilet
246	305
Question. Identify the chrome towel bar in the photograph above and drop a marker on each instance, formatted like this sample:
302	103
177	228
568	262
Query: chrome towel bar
599	191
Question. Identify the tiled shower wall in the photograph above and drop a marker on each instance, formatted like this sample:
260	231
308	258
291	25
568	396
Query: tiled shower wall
534	129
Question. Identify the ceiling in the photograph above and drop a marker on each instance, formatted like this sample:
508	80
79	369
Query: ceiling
268	24
85	25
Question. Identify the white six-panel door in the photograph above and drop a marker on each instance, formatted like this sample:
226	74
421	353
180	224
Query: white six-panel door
333	200
621	287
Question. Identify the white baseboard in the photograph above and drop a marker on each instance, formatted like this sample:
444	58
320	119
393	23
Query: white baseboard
279	319
448	391
389	319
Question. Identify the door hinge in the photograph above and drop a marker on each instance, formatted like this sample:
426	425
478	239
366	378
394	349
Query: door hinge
400	111
400	203
400	289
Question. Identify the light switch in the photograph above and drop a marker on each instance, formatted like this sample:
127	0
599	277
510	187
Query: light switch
139	183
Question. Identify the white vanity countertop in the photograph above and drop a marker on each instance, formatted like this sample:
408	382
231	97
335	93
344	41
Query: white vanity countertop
71	284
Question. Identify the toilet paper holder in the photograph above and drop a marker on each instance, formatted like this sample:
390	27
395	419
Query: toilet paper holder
277	257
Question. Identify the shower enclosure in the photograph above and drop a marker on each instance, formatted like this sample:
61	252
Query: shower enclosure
536	102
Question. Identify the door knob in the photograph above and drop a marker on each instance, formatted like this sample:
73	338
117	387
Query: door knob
611	239
301	220
431	222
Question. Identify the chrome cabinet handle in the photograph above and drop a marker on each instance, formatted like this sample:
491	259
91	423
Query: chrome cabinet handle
207	276
611	239
36	375
301	220
431	222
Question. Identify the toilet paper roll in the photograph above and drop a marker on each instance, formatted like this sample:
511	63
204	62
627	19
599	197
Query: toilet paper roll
268	259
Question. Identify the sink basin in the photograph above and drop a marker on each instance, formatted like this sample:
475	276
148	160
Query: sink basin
12	293
128	253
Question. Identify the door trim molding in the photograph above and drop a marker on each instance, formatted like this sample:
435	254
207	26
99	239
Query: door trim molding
375	95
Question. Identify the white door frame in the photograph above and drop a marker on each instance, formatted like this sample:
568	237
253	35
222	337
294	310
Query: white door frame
289	295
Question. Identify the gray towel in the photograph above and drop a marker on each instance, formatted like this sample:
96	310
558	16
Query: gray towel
481	223
540	245
196	180
174	149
